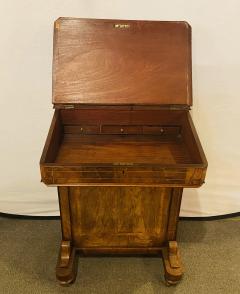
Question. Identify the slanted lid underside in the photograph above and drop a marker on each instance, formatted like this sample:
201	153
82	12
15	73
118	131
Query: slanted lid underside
121	62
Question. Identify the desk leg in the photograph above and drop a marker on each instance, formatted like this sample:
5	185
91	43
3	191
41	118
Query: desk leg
66	269
172	263
170	254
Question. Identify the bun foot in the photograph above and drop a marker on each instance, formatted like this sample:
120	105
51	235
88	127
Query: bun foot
172	264
66	269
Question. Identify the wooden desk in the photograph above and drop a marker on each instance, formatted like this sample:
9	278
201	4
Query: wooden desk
122	145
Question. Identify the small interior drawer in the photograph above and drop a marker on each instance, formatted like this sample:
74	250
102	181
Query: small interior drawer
81	129
121	129
161	130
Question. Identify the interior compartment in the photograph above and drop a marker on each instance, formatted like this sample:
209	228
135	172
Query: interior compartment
149	147
95	136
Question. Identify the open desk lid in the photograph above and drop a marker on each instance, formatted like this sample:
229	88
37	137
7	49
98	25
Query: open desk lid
126	62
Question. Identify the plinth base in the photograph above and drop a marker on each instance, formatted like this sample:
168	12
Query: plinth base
66	269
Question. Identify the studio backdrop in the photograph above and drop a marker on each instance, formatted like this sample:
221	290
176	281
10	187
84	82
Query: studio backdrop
25	95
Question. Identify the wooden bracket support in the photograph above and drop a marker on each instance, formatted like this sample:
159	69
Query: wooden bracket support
66	269
172	263
174	258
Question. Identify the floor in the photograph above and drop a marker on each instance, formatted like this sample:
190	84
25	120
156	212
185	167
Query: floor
210	251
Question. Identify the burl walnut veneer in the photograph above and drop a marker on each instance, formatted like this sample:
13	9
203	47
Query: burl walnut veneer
122	145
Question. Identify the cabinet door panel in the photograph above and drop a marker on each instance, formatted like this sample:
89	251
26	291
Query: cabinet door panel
119	216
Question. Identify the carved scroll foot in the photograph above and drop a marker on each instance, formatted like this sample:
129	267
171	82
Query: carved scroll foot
66	269
172	263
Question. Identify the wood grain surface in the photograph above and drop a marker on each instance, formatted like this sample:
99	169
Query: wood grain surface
123	149
119	216
145	62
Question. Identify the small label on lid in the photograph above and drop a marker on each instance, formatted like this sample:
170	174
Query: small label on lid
121	25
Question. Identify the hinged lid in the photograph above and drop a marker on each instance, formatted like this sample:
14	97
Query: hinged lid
100	61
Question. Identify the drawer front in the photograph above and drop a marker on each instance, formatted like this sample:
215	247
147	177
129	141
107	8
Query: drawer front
161	130
121	129
81	129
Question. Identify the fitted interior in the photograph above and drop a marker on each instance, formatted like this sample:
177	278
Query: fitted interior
95	136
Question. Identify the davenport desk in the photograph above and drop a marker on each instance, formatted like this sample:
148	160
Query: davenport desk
122	145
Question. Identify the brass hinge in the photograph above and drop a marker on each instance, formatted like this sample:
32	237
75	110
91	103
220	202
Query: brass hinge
179	107
68	106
